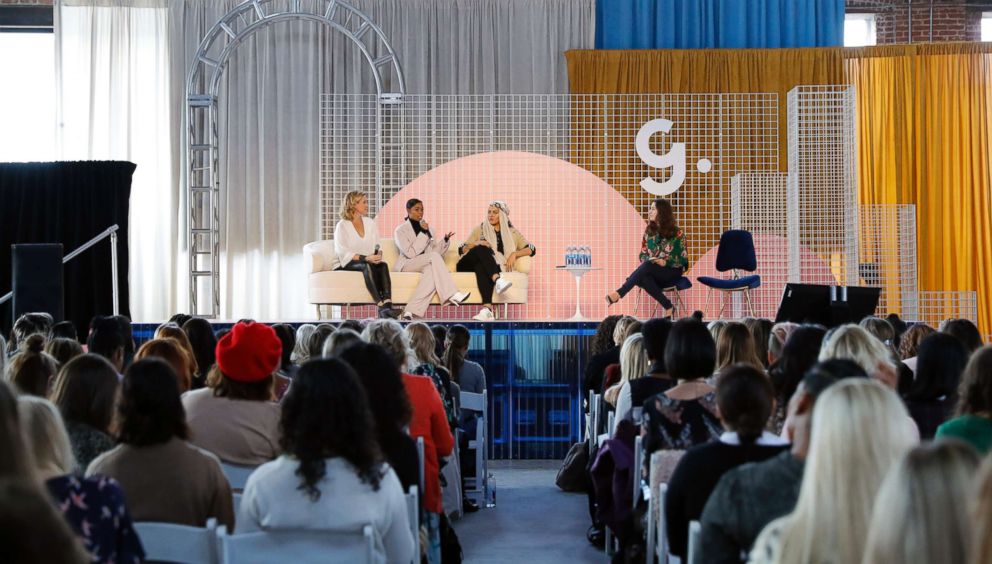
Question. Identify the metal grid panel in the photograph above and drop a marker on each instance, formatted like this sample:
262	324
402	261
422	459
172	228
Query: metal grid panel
938	306
887	256
758	205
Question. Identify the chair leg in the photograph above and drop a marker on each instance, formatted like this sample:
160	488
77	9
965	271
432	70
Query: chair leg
706	307
750	305
723	305
679	305
318	311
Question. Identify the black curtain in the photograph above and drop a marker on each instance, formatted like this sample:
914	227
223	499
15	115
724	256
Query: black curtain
68	203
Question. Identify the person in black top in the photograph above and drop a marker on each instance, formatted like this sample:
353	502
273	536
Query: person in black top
655	334
932	393
745	398
604	353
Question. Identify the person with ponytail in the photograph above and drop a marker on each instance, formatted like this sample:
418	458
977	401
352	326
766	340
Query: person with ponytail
32	370
745	399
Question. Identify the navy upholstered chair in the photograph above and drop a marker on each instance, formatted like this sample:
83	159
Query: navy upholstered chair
735	253
678	305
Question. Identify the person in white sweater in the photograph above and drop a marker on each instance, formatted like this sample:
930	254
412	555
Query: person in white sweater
357	246
331	476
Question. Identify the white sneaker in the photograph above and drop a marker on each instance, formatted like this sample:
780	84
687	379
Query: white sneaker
407	316
485	314
502	285
458	298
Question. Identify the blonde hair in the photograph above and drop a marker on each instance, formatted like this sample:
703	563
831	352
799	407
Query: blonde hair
349	202
921	510
45	435
633	365
860	429
855	343
736	346
300	352
620	333
715	328
422	344
171	350
389	334
981	513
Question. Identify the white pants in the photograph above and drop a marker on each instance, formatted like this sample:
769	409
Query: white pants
434	277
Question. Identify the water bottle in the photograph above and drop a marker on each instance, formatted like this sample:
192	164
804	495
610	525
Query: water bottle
568	255
589	256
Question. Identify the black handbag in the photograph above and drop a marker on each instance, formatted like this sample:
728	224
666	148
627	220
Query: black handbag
573	476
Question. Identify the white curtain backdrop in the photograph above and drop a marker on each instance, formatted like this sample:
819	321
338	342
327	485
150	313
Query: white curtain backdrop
112	57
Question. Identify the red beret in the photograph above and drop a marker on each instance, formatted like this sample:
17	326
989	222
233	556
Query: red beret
249	352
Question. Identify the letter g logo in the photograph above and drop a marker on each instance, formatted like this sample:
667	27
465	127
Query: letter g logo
674	159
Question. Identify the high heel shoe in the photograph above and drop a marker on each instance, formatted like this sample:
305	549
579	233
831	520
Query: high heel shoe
610	301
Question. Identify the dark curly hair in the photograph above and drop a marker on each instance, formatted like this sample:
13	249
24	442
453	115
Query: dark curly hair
799	354
150	409
664	223
975	391
383	383
326	414
602	341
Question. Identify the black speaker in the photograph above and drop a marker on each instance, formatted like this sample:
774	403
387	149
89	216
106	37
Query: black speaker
37	279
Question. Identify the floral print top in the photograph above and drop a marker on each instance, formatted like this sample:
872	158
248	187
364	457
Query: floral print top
95	509
442	381
670	250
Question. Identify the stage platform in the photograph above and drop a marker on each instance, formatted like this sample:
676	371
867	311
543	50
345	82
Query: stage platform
534	375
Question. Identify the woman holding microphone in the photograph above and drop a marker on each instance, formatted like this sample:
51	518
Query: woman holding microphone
356	243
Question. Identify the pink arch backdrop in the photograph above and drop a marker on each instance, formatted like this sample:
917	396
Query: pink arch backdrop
556	204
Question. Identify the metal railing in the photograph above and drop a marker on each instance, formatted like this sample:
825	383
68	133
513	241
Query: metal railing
108	232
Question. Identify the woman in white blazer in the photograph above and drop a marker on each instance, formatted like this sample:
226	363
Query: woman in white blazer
421	252
356	243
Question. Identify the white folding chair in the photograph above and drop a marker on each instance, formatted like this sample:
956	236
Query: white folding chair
695	530
662	527
237	502
413	512
638	462
479	484
420	455
301	546
237	475
170	542
594	411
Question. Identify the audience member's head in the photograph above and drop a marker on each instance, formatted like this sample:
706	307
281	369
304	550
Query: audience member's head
32	370
859	432
760	329
622	329
799	353
715	327
965	331
354	324
898	324
63	330
107	340
150	410
31	527
736	346
202	340
180	319
881	329
909	344
655	332
46	437
16	461
456	350
383	385
633	360
315	343
940	362
854	343
326	414
690	353
440	336
389	334
127	332
981	514
247	358
300	352
975	390
800	408
287	336
338	341
173	331
86	392
602	341
777	337
921	511
745	399
171	351
27	325
422	344
63	350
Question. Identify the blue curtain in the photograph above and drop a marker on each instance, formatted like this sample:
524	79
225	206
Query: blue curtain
718	24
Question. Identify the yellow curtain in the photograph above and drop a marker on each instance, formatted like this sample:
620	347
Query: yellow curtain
924	128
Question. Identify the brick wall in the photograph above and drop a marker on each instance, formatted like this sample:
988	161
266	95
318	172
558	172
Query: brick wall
941	21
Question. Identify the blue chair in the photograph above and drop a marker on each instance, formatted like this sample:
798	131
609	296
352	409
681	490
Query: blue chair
736	252
678	305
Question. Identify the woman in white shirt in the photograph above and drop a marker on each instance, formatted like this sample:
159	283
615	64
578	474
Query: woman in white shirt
331	476
356	244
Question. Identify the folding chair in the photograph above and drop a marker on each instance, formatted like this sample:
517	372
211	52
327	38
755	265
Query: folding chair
413	512
695	531
736	252
237	502
300	546
170	542
478	484
678	305
237	475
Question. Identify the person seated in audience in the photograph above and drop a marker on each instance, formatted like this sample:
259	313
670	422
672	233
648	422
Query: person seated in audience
315	343
171	351
933	393
26	325
626	326
236	416
339	341
107	340
909	345
391	409
165	478
760	330
736	346
287	336
32	370
179	319
300	352
633	366
857	436
469	377
799	355
63	350
631	398
127	332
981	514
965	331
750	496
882	330
716	327
332	475
429	422
203	342
426	363
972	421
355	325
857	344
173	331
777	337
94	507
686	414
440	338
63	330
745	399
921	511
85	393
604	351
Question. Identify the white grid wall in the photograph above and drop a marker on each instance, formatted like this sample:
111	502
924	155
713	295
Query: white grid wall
887	257
758	204
935	307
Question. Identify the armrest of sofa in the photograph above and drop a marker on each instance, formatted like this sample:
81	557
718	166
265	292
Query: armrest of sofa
319	256
523	265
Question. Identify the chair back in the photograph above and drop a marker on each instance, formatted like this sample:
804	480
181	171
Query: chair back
692	549
420	456
237	502
638	464
301	546
473	401
237	475
170	542
736	251
413	513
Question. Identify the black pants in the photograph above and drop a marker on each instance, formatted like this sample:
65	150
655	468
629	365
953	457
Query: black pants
652	278
376	278
482	261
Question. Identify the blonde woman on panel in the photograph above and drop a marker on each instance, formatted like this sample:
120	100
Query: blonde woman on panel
855	343
357	246
858	435
921	512
421	252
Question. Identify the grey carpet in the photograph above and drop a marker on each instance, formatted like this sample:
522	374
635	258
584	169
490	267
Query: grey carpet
532	519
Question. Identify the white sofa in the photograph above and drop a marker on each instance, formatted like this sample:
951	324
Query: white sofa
327	286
